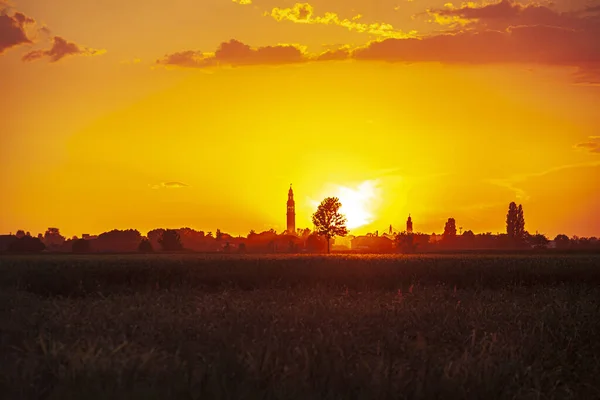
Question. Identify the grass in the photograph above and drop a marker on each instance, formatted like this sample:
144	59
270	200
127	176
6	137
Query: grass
372	327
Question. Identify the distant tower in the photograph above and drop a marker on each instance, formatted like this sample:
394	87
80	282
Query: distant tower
291	212
409	227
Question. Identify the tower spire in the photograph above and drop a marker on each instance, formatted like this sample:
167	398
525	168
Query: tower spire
291	212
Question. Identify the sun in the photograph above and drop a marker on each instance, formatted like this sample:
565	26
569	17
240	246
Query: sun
358	203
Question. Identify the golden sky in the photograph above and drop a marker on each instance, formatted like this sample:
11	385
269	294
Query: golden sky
146	114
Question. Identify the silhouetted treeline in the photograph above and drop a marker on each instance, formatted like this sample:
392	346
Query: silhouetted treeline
301	241
166	240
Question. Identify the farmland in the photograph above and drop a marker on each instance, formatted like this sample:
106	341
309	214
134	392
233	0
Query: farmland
297	327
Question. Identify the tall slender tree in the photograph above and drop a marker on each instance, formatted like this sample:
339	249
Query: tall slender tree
520	224
511	220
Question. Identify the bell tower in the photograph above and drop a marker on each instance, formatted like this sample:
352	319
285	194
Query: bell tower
291	212
409	225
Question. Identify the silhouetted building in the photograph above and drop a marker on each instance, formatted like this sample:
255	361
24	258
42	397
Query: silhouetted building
291	212
409	225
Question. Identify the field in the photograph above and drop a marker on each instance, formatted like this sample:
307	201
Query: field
300	327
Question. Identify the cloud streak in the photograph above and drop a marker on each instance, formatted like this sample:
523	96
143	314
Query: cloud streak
303	13
60	49
168	185
592	145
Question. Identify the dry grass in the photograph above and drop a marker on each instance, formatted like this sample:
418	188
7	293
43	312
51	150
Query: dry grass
191	327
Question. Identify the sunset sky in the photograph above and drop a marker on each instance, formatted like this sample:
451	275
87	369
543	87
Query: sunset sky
200	113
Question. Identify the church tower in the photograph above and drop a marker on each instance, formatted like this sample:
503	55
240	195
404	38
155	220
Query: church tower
291	212
409	227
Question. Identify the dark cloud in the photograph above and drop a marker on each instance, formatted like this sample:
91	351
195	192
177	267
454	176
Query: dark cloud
12	29
499	16
60	49
520	44
236	53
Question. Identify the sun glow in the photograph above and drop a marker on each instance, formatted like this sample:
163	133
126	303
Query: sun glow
358	203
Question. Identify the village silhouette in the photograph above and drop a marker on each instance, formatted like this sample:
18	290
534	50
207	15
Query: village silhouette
328	224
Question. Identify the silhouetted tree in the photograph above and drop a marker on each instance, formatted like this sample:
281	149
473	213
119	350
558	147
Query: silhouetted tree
154	235
118	241
450	229
20	234
146	246
539	241
511	221
26	244
53	239
520	224
219	235
562	241
328	220
170	240
81	246
405	242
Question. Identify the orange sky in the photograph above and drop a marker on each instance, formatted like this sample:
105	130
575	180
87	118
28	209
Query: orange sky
438	110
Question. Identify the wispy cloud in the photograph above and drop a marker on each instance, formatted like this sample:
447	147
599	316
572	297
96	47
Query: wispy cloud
131	62
60	49
592	145
168	185
303	13
243	2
